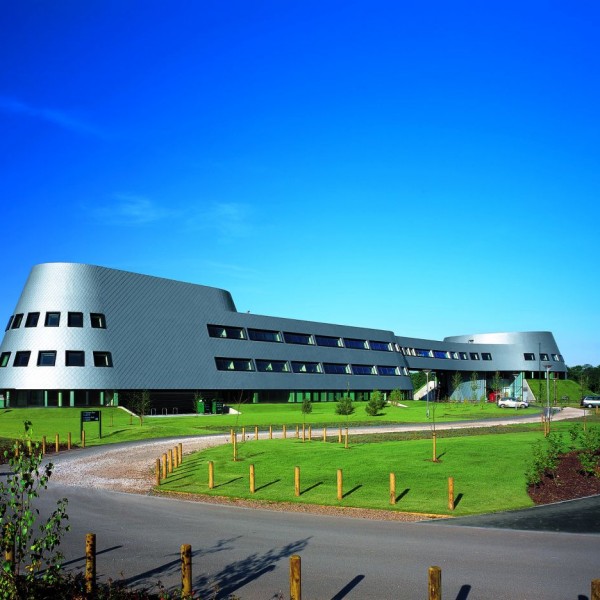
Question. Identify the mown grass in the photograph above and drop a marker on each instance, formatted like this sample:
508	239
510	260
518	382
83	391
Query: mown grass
488	472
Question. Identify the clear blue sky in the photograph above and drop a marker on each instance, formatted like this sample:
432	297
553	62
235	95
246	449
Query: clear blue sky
431	168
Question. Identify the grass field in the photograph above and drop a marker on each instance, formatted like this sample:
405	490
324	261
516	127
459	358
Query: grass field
488	472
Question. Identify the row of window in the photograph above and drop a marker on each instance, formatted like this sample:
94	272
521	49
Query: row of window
52	319
47	358
284	366
422	353
543	356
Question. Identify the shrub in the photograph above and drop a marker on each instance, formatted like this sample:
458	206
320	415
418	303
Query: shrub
372	407
344	406
589	456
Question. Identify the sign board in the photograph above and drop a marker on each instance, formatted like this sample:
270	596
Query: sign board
91	416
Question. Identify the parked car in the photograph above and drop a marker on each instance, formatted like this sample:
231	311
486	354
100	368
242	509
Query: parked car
512	403
590	401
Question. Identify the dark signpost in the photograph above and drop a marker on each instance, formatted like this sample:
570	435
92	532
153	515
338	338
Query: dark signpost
91	416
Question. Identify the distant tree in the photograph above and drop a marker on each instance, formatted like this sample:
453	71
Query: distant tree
378	399
344	406
395	397
372	407
456	383
496	382
306	407
474	385
141	404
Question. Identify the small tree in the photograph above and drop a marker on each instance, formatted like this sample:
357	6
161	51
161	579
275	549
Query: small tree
496	383
141	404
395	397
36	551
474	386
379	399
306	408
372	406
456	383
344	406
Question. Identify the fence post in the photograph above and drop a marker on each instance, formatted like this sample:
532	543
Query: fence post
56	442
231	435
43	445
255	433
392	488
295	577
595	595
297	435
252	480
270	432
340	435
310	433
158	471
234	448
69	441
176	456
170	460
164	466
450	493
186	571
296	481
284	433
211	475
435	583
340	484
83	438
324	434
303	432
346	439
90	564
243	434
180	452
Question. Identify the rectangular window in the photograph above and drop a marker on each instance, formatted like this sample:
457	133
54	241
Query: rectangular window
474	356
305	367
327	340
234	364
529	356
387	370
22	359
97	320
272	366
441	354
264	335
363	369
52	319
224	331
32	319
75	358
102	359
385	346
455	356
555	357
10	320
356	344
486	356
543	357
423	353
4	358
17	321
46	358
463	356
298	338
75	319
335	369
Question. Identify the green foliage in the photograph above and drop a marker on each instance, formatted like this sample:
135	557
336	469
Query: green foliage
36	554
379	399
344	406
587	376
395	397
474	385
456	382
544	458
372	407
141	404
589	456
307	406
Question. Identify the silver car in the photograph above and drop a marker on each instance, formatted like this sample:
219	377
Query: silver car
512	403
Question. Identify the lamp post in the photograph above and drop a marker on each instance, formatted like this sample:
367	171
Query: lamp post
547	367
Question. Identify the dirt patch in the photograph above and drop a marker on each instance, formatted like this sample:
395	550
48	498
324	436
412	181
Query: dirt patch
569	482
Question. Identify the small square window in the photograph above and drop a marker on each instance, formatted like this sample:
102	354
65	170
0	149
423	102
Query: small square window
75	319
486	356
22	359
4	358
529	356
474	356
32	319
10	320
543	357
52	319
98	321
17	321
75	358
46	358
102	359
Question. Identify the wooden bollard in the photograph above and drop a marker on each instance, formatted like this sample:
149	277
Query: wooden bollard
296	481
175	457
83	438
324	434
235	454
297	434
180	452
595	595
69	441
340	436
231	434
340	484
346	438
450	493
256	433
303	432
243	434
284	433
434	440
164	466
252	480
211	475
392	488
295	578
43	445
435	583
270	432
310	433
90	564
158	471
170	460
186	571
56	442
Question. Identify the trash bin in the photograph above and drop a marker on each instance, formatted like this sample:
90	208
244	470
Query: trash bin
200	407
217	407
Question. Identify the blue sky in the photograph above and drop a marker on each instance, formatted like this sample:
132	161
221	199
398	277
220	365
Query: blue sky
431	168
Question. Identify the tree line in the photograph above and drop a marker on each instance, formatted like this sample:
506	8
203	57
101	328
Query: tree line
587	376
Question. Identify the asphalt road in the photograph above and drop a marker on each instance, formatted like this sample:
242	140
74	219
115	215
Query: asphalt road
246	552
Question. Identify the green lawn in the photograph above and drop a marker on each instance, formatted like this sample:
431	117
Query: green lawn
118	426
488	472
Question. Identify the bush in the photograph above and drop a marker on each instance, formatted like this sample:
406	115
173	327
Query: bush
344	406
589	456
372	407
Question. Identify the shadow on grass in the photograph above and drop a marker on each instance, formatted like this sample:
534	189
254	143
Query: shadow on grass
457	500
348	588
312	487
228	482
354	489
401	495
266	485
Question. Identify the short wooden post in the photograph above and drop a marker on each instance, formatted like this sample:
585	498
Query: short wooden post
69	441
340	484
90	564
43	445
186	571
435	583
284	433
324	434
340	436
180	452
83	438
295	577
231	435
170	460
175	457
270	432
158	471
346	439
450	493
392	488
303	432
235	453
595	595
297	434
310	433
211	475
256	433
164	466
243	434
296	481
56	443
252	480
434	439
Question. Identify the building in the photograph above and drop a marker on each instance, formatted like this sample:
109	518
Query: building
85	335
